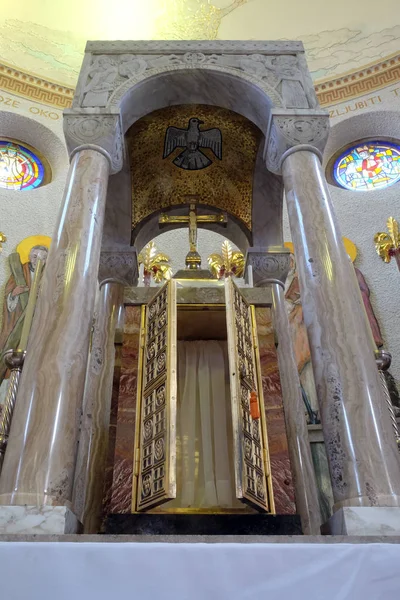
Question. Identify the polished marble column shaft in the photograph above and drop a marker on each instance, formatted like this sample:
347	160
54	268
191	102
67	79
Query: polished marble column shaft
363	459
40	459
305	483
93	445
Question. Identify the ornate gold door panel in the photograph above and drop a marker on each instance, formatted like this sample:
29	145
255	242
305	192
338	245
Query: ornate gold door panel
157	454
249	435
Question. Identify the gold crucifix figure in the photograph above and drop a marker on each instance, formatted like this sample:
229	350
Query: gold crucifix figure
193	258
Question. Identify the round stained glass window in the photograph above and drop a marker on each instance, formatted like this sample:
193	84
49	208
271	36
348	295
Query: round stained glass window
20	167
371	165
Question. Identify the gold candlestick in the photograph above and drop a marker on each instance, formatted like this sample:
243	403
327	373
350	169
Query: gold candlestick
14	360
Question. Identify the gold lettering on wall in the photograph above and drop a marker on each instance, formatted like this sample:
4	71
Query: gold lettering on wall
5	101
44	113
9	102
355	106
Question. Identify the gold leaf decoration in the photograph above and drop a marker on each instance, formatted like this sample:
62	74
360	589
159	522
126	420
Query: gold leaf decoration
226	253
3	239
393	230
156	264
226	264
215	262
388	244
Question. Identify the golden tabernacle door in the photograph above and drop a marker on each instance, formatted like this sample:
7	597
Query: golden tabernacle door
165	327
251	457
155	476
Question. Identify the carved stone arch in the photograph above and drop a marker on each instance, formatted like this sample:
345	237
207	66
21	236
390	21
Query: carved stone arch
122	81
208	84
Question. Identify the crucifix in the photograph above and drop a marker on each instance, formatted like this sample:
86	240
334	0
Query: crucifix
193	258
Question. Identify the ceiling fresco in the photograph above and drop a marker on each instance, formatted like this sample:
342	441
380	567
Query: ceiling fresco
49	41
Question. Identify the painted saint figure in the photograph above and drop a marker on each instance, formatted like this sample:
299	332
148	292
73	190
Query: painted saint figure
12	167
16	298
370	166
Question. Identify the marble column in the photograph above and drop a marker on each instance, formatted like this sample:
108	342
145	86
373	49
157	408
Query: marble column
362	454
117	270
271	269
40	459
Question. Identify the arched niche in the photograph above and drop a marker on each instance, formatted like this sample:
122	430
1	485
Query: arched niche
264	225
240	94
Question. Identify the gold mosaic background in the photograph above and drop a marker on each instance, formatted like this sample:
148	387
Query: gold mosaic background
226	184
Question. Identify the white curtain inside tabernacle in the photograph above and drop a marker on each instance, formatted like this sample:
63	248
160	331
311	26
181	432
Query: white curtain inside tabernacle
205	477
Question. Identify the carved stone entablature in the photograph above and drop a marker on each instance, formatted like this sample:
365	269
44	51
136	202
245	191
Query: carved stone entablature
119	265
268	263
103	130
110	69
288	129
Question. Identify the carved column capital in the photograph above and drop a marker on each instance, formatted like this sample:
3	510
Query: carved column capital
290	131
96	130
120	266
268	264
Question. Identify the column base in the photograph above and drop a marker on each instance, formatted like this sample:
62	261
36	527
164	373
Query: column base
364	520
38	520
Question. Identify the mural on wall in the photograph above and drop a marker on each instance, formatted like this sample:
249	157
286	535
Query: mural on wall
22	267
223	180
192	139
300	339
51	45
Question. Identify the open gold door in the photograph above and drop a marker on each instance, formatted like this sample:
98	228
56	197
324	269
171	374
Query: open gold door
249	435
156	456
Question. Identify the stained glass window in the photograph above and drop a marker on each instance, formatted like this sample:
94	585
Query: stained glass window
20	167
369	165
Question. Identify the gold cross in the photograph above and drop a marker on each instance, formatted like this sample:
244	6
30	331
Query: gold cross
193	258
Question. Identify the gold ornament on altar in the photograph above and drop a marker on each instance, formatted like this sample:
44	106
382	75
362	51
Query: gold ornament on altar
388	244
156	264
3	239
226	264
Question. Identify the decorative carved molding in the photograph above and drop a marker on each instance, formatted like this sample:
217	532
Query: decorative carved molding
288	130
180	47
329	92
284	77
99	130
120	266
30	86
268	264
357	83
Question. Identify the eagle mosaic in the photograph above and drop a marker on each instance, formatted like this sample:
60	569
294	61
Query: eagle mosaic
192	139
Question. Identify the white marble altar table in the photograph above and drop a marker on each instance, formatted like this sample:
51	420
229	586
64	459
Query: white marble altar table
199	571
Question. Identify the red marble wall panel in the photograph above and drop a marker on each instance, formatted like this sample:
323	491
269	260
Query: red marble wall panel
112	435
121	490
118	492
278	446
